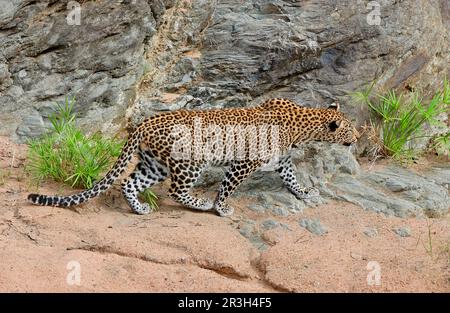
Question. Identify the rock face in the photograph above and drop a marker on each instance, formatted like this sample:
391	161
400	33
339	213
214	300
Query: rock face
157	55
46	56
313	226
396	191
333	169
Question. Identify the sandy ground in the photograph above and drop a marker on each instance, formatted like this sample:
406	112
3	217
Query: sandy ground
102	246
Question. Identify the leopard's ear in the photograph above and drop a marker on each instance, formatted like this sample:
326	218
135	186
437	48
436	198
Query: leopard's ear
335	106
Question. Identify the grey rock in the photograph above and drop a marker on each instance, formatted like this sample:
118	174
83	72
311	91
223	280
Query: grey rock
257	208
107	48
262	181
287	202
398	186
9	9
179	103
255	240
394	190
403	231
280	203
370	198
5	77
225	53
440	175
210	178
248	230
249	221
182	74
259	243
316	163
33	125
279	211
313	226
269	224
431	197
371	232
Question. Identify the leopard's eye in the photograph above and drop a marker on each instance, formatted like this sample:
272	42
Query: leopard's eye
334	125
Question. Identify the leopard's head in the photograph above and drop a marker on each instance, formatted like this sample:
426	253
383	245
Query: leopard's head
333	126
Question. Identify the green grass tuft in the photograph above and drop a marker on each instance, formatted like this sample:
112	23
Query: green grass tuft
402	121
150	198
66	154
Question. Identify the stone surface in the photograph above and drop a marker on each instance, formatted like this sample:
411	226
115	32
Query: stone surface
397	191
402	231
269	224
371	232
157	55
248	229
257	208
333	169
45	58
392	190
278	203
279	211
313	226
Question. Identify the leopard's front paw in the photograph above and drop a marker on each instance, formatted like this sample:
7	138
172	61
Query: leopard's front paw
224	210
205	205
143	209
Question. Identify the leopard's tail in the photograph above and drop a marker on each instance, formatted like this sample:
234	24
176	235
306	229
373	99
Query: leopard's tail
100	186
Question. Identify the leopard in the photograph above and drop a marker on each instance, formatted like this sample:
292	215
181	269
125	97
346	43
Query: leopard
174	145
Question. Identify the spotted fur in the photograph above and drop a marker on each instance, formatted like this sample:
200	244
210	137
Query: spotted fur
154	141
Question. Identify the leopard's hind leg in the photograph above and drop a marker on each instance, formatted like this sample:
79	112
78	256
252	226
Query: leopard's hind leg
147	173
184	175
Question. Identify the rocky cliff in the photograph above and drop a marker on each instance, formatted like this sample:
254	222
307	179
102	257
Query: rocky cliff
137	57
